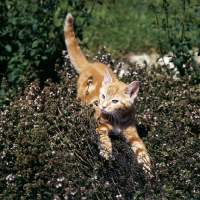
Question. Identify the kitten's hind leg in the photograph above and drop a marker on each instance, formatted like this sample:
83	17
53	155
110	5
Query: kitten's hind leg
105	143
138	147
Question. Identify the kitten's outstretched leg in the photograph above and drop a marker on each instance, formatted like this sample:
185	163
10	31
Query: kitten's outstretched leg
138	147
105	143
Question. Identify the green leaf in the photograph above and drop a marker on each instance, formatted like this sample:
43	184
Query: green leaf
8	48
35	26
2	58
177	62
21	49
10	67
185	49
56	20
51	34
2	92
13	59
35	44
21	34
37	62
33	52
44	57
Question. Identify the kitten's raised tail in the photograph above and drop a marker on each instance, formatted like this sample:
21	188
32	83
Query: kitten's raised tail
76	56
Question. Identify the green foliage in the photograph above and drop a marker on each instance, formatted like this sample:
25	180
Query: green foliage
49	148
178	33
123	27
32	35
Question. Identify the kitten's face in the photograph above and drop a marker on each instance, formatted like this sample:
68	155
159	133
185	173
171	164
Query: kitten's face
115	96
114	99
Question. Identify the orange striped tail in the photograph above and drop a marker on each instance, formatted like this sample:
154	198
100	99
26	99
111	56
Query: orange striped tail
76	55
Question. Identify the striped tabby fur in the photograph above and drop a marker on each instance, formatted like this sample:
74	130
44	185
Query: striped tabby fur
115	111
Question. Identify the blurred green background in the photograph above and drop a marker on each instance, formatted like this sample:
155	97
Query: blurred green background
31	33
130	26
122	27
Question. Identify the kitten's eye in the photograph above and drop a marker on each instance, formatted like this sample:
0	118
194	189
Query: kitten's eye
103	96
115	101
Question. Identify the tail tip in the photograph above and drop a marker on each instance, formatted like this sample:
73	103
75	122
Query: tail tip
69	19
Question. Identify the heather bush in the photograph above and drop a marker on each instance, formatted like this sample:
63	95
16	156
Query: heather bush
168	112
49	148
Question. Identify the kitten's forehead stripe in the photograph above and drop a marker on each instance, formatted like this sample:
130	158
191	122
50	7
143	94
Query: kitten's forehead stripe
112	90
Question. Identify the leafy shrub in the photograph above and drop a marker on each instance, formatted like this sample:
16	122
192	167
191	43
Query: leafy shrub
49	148
177	29
122	26
32	36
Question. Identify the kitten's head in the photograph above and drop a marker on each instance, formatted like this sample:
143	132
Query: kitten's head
116	96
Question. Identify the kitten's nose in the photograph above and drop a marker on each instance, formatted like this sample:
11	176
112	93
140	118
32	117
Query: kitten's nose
103	107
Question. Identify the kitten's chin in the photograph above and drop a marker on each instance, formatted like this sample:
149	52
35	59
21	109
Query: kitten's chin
104	111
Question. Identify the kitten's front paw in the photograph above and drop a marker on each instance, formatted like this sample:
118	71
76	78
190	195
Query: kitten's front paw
106	154
145	161
147	169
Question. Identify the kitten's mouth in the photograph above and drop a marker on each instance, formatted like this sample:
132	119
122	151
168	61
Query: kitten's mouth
103	110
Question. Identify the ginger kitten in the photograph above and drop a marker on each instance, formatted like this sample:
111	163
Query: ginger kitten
113	100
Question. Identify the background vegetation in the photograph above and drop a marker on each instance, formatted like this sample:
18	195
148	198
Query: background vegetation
48	145
32	35
134	24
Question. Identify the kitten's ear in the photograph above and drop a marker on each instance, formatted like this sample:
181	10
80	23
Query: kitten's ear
107	78
132	89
